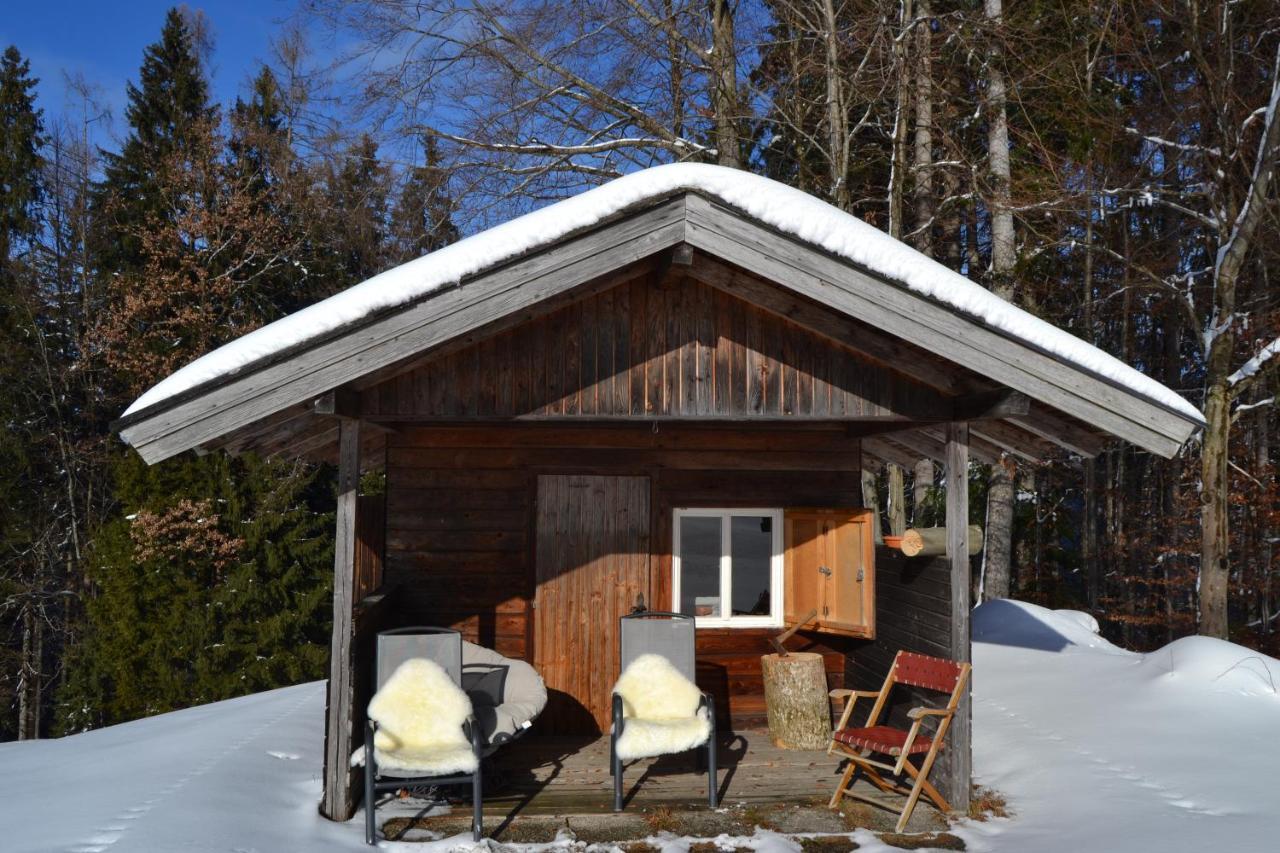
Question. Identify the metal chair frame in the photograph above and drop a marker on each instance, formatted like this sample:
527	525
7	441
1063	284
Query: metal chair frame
619	720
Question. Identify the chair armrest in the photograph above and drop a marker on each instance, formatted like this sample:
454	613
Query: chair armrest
618	719
472	728
844	694
921	713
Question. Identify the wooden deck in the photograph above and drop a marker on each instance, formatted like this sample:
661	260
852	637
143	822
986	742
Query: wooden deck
542	784
556	775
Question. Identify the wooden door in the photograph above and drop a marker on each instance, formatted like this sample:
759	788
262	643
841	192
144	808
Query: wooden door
592	565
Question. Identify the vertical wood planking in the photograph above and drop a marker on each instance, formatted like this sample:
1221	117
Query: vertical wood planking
672	348
592	558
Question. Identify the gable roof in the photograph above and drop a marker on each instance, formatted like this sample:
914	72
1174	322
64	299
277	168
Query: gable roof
799	241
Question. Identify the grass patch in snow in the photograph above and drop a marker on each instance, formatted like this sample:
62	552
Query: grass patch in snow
986	803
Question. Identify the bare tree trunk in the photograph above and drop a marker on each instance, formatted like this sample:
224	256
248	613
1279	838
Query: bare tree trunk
921	486
837	114
995	559
1236	239
898	174
1003	257
871	501
724	62
922	191
32	674
897	500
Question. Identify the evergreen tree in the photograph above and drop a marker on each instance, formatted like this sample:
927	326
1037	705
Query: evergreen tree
213	582
165	112
422	220
357	220
21	135
24	578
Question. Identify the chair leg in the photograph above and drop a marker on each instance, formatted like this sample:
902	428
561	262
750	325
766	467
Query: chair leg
477	806
911	803
370	790
926	788
713	785
616	764
370	805
843	784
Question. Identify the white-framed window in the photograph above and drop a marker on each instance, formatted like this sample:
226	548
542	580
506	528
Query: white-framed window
726	567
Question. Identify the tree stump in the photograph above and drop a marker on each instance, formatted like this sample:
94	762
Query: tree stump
795	696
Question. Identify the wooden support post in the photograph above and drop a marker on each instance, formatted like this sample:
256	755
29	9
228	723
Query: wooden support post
338	802
959	748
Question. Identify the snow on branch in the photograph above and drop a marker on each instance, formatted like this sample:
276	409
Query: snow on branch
1255	365
1212	151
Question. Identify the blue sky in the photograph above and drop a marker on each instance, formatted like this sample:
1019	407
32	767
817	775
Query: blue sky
104	42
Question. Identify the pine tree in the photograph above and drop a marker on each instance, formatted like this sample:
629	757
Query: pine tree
21	135
422	220
165	110
212	583
24	575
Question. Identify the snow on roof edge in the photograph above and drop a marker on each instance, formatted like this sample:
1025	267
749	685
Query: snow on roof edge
787	209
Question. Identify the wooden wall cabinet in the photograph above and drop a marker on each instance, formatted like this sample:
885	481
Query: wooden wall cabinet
830	568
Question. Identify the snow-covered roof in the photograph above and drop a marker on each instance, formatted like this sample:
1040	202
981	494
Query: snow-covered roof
788	210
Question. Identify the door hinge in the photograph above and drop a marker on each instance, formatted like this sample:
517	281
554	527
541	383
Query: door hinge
860	575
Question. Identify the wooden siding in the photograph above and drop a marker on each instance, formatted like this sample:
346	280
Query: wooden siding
675	349
460	521
913	613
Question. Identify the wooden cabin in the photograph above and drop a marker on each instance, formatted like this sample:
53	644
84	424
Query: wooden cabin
661	393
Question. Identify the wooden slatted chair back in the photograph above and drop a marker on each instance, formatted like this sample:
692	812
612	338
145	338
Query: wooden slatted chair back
926	672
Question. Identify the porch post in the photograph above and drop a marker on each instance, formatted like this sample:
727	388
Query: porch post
338	802
959	735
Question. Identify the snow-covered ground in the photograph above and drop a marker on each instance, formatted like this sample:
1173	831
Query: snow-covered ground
1096	748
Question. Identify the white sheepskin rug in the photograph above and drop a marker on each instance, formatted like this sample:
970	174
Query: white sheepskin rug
660	710
420	712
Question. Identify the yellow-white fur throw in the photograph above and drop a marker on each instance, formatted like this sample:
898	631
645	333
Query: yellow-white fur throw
420	712
660	710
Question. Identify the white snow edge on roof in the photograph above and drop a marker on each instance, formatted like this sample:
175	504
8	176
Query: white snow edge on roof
789	210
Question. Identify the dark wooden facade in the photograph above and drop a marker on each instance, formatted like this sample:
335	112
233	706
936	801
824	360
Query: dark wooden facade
461	520
674	349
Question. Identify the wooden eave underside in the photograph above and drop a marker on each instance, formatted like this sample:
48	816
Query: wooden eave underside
268	408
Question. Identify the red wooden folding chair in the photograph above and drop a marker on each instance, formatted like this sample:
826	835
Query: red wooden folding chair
860	744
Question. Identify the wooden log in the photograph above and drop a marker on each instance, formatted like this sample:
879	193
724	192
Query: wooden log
795	695
932	541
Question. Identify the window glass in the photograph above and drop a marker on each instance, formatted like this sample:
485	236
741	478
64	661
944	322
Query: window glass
751	558
700	545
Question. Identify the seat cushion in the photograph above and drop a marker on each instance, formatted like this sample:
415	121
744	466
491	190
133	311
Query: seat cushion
883	739
507	694
661	710
420	713
644	738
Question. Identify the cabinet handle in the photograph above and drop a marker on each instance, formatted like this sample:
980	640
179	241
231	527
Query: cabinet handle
824	571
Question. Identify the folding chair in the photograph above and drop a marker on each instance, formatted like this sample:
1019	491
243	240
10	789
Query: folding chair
444	647
859	744
670	635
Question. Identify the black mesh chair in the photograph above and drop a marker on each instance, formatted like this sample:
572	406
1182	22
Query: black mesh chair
670	635
444	647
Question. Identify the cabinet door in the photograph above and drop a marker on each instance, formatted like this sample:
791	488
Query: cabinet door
830	569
